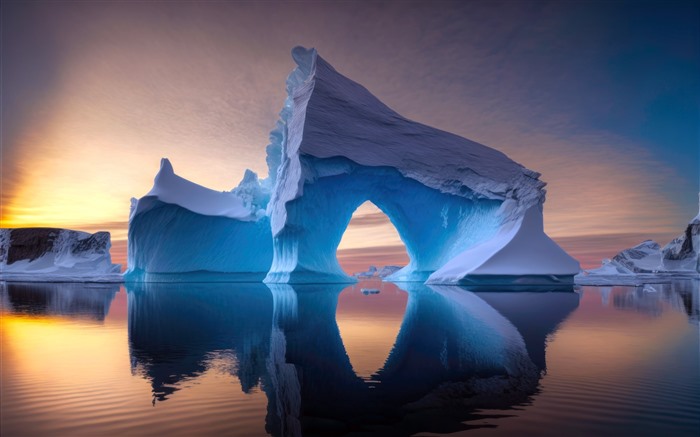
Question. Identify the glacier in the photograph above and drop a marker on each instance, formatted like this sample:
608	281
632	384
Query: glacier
465	212
648	261
56	255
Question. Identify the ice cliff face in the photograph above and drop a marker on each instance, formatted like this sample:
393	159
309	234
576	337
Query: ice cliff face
683	253
182	227
335	147
36	254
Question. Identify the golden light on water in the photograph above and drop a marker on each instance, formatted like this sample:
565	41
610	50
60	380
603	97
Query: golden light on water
369	324
77	373
35	341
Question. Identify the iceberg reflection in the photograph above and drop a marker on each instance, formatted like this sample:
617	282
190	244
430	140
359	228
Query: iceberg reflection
650	298
75	300
456	351
176	329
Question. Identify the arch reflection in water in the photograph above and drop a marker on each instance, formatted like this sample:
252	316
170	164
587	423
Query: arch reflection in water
455	351
72	300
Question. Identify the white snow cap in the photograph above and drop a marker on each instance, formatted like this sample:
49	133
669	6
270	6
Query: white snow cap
342	118
171	188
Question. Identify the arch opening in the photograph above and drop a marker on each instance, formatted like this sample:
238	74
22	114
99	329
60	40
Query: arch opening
370	241
434	226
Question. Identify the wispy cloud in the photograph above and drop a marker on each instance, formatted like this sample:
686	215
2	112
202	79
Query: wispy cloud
87	117
370	220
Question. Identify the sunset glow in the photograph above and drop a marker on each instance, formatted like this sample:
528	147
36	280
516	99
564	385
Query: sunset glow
94	102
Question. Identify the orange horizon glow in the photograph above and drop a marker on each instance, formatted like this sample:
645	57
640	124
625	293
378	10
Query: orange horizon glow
369	326
96	95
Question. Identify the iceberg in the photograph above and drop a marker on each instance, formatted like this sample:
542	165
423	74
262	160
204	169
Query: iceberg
181	227
519	254
465	212
340	146
56	255
388	271
683	253
370	273
373	272
649	261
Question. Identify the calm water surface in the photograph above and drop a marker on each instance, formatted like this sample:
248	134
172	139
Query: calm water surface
255	360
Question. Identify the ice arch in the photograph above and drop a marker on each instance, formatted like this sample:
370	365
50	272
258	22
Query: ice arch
337	146
305	249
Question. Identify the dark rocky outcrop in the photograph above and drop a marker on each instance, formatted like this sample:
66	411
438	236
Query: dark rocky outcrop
31	243
53	254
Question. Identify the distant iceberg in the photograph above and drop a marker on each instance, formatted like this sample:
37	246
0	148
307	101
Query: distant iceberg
56	255
370	273
466	212
374	272
387	271
648	261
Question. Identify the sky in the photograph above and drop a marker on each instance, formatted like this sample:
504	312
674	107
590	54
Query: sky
602	98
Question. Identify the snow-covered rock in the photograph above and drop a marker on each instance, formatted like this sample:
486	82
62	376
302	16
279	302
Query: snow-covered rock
683	253
642	258
181	227
51	254
648	261
388	271
370	273
373	272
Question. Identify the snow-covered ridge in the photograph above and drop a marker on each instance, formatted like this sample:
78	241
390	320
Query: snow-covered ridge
373	272
648	261
49	254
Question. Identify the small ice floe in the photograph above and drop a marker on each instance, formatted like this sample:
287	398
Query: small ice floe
650	289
